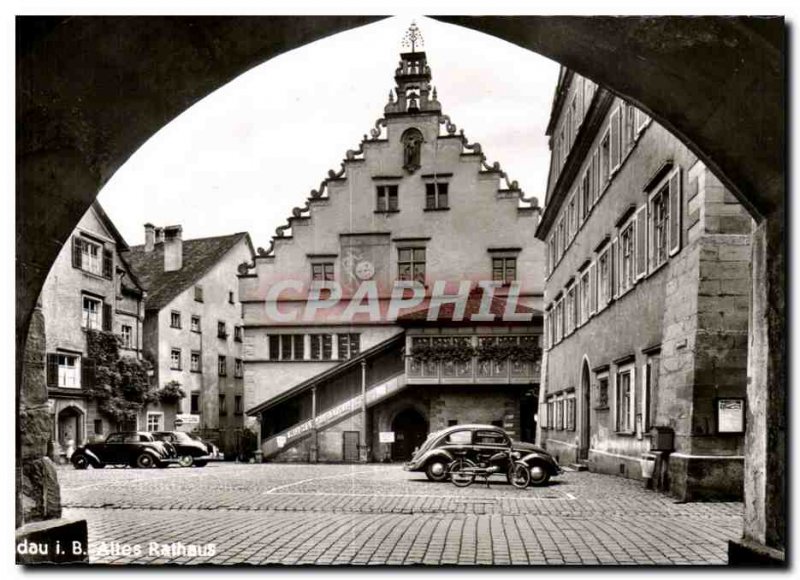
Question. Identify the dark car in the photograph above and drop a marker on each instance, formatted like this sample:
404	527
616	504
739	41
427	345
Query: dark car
476	443
134	448
190	449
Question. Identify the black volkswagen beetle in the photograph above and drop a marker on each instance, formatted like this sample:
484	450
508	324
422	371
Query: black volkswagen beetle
190	449
476	443
134	448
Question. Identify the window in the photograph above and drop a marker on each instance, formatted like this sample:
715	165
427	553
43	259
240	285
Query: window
198	293
629	132
551	413
624	401
604	280
91	257
570	411
386	199
572	217
195	404
238	369
626	257
194	363
321	347
98	426
222	329
274	347
155	421
230	297
175	359
504	270
436	195
349	345
63	370
196	324
560	412
659	227
223	406
583	299
491	437
602	391
586	196
92	308
238	409
237	333
175	319
569	315
463	437
322	271
286	347
222	365
411	264
650	386
126	333
605	160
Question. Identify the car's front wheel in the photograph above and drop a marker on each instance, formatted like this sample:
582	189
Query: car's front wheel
145	461
186	461
436	469
80	461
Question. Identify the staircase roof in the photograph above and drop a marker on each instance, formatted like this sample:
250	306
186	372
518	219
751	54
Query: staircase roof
332	373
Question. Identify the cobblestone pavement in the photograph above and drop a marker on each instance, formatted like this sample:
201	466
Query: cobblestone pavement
379	514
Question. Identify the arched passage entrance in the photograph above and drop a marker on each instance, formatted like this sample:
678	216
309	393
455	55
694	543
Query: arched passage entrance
729	110
69	429
410	430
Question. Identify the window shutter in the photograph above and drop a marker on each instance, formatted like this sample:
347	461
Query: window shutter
546	322
87	373
52	370
108	264
632	405
107	317
641	242
614	140
592	288
613	268
77	249
596	187
675	212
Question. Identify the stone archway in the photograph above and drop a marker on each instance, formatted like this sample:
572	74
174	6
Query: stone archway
410	431
73	134
69	429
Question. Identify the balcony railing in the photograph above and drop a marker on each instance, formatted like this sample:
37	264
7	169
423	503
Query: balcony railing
474	370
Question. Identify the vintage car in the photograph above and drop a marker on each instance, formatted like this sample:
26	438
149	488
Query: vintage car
190	449
476	443
134	448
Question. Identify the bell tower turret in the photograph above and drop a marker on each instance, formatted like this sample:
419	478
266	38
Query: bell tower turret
413	90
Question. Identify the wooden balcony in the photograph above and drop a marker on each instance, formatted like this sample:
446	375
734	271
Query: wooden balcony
474	371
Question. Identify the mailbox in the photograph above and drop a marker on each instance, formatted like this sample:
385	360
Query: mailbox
663	439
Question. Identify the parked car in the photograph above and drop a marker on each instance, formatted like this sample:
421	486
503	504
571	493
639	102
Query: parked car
134	448
477	443
190	449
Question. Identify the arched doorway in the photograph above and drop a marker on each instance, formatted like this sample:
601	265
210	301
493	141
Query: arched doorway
70	429
410	430
586	411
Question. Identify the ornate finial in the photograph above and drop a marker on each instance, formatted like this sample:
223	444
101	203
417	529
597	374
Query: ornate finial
413	37
434	93
391	97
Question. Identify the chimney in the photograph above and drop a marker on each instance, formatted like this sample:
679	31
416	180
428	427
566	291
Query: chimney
159	235
149	237
173	248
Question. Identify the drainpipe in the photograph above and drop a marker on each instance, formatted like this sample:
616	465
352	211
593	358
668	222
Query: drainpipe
363	450
313	452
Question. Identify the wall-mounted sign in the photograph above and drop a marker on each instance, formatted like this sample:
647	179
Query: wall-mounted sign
186	419
386	436
730	415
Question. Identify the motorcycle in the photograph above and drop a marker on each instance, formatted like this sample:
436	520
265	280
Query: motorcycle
463	472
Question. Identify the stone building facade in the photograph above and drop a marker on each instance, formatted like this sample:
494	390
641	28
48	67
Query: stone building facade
90	287
192	330
646	301
416	205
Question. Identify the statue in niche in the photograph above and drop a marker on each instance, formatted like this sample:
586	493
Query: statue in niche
412	148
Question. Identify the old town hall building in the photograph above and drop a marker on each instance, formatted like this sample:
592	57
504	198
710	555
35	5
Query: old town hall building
646	301
416	202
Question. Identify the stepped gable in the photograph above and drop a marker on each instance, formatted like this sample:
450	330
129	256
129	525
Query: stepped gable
413	95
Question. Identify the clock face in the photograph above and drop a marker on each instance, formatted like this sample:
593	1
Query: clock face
364	270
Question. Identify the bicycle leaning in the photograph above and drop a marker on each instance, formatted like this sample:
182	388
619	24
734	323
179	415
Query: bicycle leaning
463	471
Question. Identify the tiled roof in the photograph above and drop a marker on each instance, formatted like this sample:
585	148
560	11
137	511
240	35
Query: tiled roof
497	307
199	256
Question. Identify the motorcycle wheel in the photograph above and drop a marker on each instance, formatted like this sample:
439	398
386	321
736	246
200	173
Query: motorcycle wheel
519	475
462	472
